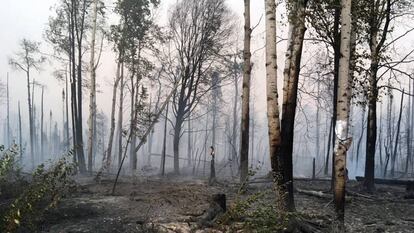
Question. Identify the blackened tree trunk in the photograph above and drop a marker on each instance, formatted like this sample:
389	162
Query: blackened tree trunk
291	79
397	136
164	143
20	134
176	142
376	41
92	96
8	112
244	131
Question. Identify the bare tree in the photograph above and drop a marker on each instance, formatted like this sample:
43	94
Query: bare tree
199	30
26	60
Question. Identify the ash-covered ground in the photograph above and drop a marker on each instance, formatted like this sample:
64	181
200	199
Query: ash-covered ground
173	204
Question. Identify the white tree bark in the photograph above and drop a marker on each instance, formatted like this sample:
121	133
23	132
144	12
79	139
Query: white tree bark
273	117
342	142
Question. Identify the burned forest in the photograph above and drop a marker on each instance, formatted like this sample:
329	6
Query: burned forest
206	116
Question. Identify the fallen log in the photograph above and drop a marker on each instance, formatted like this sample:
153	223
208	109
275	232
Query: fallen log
408	183
319	194
387	181
268	180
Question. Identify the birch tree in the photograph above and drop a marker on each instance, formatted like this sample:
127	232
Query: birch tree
342	142
273	117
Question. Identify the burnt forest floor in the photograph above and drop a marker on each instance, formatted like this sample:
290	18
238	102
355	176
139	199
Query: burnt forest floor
152	204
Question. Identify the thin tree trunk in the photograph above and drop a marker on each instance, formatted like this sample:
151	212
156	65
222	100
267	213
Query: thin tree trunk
20	135
361	136
408	127
244	131
328	152
8	113
234	130
164	143
120	114
112	124
41	130
342	142
189	142
92	96
397	136
29	101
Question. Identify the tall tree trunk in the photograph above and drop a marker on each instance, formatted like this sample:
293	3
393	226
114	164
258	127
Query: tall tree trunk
360	137
79	130
318	144
112	124
273	117
164	143
408	127
244	131
92	96
176	142
29	102
120	114
63	121
290	88
397	136
41	129
372	120
234	129
342	142
375	49
20	135
8	113
337	55
189	157
328	151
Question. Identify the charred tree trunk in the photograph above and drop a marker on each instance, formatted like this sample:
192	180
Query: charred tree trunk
375	45
291	79
31	127
20	135
164	143
329	148
8	112
397	136
92	96
176	142
244	132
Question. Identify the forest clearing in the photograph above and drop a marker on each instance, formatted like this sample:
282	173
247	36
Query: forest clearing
207	116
